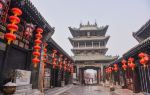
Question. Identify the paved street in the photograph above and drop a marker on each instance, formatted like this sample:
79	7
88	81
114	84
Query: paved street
87	90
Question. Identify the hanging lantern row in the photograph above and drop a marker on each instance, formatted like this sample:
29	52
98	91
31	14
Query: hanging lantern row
144	58
54	59
12	27
37	47
62	64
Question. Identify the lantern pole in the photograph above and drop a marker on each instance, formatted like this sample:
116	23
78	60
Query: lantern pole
141	78
148	73
145	79
41	76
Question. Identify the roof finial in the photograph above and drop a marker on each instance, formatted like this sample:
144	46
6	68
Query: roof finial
81	24
88	23
95	23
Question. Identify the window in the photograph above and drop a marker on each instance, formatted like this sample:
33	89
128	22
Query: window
89	44
95	44
88	34
81	44
102	43
75	44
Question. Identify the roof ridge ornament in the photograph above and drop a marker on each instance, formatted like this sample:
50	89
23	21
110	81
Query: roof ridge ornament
95	23
88	23
81	24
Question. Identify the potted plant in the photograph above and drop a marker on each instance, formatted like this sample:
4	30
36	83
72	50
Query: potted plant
10	87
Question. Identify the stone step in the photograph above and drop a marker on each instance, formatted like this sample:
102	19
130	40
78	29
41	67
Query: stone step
23	89
28	86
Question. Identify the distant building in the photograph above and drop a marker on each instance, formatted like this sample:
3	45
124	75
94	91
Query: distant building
89	47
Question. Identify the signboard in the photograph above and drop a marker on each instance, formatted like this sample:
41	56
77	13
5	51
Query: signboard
47	72
2	46
3	27
1	35
74	76
23	77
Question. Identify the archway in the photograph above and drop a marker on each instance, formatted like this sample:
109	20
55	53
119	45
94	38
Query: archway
89	75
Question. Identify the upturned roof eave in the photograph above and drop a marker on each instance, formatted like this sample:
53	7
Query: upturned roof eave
137	48
147	24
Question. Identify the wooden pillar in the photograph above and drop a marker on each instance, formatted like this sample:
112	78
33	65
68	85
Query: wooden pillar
79	75
3	65
98	75
124	79
83	76
53	78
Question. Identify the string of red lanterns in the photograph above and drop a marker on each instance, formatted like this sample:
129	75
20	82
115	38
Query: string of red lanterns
37	47
13	27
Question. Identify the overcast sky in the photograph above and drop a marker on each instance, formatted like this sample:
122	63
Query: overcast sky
122	16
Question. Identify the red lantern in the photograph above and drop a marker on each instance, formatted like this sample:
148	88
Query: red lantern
37	48
12	27
14	19
35	53
35	61
16	11
10	37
